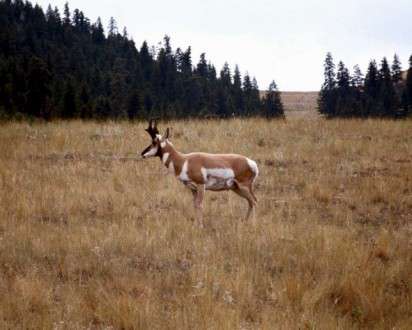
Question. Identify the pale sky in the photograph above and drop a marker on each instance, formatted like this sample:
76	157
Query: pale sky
282	40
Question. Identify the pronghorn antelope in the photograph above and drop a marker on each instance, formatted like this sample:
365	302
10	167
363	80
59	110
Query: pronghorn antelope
201	171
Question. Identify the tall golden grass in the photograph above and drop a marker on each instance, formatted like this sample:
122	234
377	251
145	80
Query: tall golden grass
89	241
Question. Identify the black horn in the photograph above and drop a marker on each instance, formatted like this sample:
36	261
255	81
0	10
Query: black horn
152	130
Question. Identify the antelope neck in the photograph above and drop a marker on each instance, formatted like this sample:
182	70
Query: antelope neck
171	155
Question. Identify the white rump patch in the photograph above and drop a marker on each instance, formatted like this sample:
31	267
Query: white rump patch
253	166
218	178
165	157
183	174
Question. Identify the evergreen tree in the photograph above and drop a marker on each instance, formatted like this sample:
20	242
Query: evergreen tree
343	77
357	79
358	99
387	91
248	95
201	68
226	76
238	93
86	109
146	62
103	108
330	76
372	87
98	32
186	62
272	104
69	101
112	27
407	94
327	94
396	69
67	20
125	34
38	84
134	106
344	101
372	80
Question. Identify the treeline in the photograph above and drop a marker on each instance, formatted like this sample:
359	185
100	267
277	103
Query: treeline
382	92
63	66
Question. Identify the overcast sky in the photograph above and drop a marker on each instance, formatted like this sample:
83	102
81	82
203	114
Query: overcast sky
282	40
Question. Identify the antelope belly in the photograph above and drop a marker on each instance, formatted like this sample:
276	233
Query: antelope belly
218	178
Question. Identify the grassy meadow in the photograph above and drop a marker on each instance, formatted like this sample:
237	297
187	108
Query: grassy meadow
92	241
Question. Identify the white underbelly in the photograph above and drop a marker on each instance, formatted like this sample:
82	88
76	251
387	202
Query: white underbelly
213	178
218	178
216	183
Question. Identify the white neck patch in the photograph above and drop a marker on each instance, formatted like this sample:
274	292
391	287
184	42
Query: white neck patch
172	168
184	175
165	157
152	152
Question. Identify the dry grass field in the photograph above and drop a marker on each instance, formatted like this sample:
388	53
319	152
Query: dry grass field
88	241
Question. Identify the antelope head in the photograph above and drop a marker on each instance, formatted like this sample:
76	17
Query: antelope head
158	141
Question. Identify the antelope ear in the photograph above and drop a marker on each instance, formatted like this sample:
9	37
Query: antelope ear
167	134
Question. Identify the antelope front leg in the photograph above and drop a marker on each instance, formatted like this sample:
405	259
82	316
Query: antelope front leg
198	203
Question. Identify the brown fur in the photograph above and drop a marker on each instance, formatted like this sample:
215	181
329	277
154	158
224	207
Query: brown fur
197	160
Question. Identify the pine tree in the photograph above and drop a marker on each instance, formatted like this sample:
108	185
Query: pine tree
134	105
237	92
372	80
146	62
407	99
344	100
103	109
357	79
226	76
98	32
358	98
125	34
256	101
76	18
327	94
396	69
38	84
272	104
343	77
186	62
57	15
112	27
330	76
201	68
69	102
86	110
372	87
387	91
67	16
248	95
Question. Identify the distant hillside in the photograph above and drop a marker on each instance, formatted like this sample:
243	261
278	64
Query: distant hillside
298	101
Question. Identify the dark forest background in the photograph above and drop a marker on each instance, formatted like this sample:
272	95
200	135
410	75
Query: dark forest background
55	65
385	91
